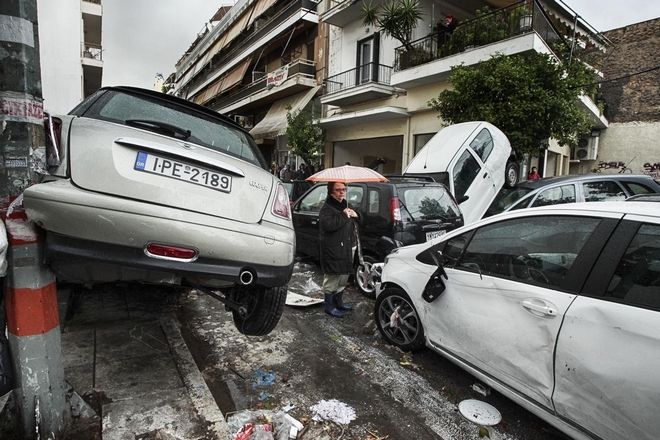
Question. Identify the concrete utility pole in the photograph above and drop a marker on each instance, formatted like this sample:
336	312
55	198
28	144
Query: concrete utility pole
30	297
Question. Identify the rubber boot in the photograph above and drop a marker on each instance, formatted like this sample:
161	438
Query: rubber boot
330	308
340	304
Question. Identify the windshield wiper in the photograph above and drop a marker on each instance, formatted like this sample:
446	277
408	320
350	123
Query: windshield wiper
161	127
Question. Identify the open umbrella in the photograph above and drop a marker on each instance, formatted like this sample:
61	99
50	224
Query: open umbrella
347	174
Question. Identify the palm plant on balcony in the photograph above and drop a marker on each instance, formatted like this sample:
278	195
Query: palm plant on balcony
395	18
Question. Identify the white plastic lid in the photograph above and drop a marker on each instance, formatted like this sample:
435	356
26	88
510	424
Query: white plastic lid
479	412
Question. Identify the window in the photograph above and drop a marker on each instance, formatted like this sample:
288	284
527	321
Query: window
465	171
367	59
483	144
556	196
421	140
314	200
637	188
535	250
374	202
636	280
602	191
355	195
427	203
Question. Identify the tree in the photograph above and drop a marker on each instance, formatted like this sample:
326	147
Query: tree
530	97
305	137
396	18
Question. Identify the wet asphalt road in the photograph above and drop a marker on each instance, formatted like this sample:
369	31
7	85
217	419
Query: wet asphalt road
314	357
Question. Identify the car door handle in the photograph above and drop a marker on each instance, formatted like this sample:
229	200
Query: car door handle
485	174
314	222
539	307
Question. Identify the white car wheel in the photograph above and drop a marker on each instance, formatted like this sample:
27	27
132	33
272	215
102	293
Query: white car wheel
398	321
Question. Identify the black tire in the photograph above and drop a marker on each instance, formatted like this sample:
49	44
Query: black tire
511	174
408	332
363	280
264	309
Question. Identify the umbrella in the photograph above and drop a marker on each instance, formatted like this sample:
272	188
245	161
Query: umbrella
347	174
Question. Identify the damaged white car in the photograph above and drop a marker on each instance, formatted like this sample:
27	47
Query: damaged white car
557	308
151	188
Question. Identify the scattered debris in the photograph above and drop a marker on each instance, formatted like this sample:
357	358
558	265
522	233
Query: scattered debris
263	378
333	410
263	425
297	300
481	389
406	361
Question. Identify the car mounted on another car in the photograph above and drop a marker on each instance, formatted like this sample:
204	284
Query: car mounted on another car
594	187
402	211
150	188
473	159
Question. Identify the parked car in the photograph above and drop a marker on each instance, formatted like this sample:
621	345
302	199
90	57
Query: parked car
474	160
402	211
572	189
296	188
151	188
557	308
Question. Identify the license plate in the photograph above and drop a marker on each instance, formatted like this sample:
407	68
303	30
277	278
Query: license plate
153	164
435	234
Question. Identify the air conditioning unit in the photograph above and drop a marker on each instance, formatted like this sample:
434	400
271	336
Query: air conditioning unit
587	148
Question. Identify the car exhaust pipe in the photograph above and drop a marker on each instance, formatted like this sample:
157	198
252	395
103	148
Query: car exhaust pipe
246	277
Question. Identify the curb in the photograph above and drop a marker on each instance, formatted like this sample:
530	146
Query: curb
199	392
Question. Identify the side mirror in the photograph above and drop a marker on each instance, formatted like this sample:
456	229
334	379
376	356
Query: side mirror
435	285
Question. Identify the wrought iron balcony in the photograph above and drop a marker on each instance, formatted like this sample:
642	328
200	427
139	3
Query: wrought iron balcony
364	74
92	51
517	19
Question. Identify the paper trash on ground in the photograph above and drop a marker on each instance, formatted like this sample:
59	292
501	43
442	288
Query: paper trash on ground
296	300
333	410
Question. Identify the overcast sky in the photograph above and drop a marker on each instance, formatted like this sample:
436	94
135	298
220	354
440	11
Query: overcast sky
142	38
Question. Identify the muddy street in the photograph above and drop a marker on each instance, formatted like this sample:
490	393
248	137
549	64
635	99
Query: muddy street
312	357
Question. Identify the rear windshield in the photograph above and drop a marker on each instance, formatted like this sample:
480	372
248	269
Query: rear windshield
428	203
171	119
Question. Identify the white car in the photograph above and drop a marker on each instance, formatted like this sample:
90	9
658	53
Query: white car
557	308
473	159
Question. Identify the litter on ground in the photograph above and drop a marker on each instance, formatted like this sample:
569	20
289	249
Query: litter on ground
333	410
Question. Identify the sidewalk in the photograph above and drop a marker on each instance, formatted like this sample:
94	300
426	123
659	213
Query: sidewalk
124	354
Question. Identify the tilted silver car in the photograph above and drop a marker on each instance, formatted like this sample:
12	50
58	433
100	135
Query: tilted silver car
557	308
151	188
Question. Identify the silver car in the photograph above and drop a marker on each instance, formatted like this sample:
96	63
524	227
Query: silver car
557	308
151	188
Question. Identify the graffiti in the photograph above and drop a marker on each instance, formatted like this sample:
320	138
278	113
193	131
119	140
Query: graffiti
652	169
614	165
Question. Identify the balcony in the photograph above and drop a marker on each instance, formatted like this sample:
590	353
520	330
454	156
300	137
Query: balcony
268	88
92	55
518	28
91	7
364	83
342	12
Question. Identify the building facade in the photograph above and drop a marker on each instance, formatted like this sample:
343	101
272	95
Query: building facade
377	91
256	61
70	44
632	95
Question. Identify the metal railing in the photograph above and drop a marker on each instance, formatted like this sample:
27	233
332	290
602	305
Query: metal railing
92	51
97	2
364	74
487	28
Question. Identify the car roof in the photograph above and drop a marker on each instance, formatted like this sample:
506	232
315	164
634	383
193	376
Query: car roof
534	184
621	207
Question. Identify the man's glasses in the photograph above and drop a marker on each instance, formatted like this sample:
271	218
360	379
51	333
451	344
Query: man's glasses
340	190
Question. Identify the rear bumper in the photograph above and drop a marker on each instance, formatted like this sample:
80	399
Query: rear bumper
83	261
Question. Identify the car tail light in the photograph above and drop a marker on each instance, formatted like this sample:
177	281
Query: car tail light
281	205
170	252
395	209
53	129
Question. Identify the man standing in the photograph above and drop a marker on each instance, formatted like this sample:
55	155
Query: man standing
337	237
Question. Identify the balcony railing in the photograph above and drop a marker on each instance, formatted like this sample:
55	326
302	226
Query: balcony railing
92	51
365	74
96	2
487	28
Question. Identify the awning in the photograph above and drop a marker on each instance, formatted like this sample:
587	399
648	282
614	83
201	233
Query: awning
274	124
260	8
230	79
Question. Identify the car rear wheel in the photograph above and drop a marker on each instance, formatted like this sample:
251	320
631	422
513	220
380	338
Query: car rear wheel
264	309
398	321
511	174
363	279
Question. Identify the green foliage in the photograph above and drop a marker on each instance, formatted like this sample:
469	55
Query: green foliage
395	18
305	138
530	97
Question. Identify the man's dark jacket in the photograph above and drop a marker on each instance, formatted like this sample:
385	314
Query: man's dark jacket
336	237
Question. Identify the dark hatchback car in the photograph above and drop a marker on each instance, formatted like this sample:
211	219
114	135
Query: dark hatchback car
296	188
572	189
396	213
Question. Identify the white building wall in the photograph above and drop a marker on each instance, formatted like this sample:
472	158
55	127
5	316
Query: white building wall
60	29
